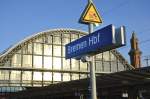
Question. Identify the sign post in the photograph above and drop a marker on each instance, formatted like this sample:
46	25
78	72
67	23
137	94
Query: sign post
90	17
96	42
92	71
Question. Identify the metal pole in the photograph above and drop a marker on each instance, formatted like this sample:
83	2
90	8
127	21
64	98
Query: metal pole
92	71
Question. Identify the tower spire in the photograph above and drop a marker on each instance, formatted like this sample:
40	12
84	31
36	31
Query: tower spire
90	1
135	53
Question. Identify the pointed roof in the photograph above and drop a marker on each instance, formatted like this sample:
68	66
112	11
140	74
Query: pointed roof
134	35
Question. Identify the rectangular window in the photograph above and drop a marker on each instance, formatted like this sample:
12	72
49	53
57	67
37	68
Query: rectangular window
37	62
37	76
48	39
57	76
120	67
82	76
66	64
27	61
66	77
106	66
57	63
113	57
106	56
113	66
47	49
37	48
99	66
7	63
56	40
15	76
57	50
74	37
83	66
4	75
99	56
27	49
16	60
66	35
47	76
75	64
26	77
48	62
65	41
75	76
63	51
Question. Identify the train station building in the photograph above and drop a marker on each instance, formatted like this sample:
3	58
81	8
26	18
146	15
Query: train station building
37	64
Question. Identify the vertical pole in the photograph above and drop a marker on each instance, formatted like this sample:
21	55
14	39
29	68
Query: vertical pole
92	71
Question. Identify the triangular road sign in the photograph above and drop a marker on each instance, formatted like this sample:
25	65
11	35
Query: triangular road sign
90	15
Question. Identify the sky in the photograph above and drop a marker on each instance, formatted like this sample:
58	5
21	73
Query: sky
22	18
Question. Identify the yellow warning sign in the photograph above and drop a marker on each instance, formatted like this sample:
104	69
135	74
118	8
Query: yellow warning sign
90	15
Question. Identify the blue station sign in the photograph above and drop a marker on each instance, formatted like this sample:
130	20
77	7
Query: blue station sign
99	41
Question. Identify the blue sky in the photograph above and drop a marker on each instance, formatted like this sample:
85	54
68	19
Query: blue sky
21	18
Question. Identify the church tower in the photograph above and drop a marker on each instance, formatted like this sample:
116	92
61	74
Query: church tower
135	53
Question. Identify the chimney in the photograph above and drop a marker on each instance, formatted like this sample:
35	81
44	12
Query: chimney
135	53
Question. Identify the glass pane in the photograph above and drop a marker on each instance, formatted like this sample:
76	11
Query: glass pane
83	66
57	40
99	56
114	66
66	64
57	50
57	76
113	57
120	66
37	76
106	66
7	63
37	62
37	48
27	49
30	48
75	76
74	37
66	35
47	76
48	39
65	41
106	56
48	62
57	63
99	67
26	76
27	61
66	77
63	51
47	49
75	64
4	75
15	76
82	76
16	60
